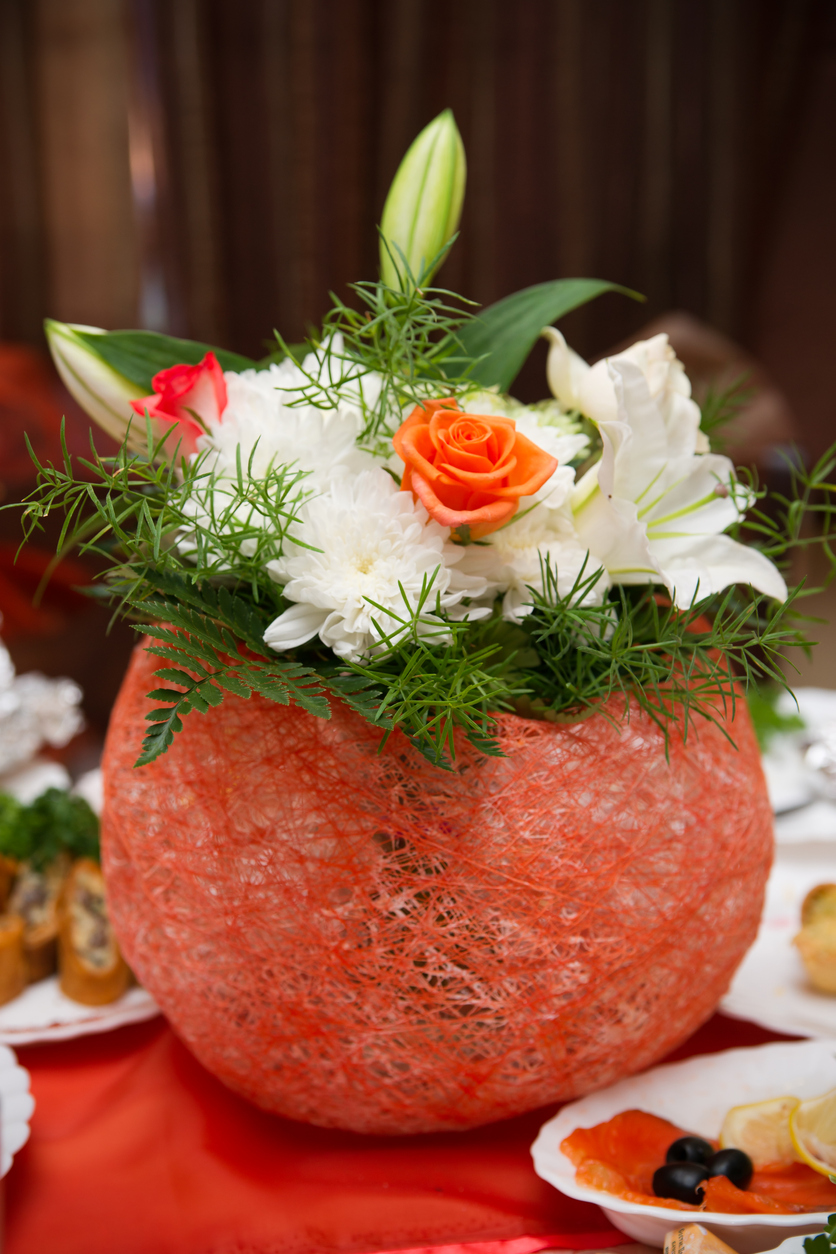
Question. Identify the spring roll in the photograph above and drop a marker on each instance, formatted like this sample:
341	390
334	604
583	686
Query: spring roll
90	967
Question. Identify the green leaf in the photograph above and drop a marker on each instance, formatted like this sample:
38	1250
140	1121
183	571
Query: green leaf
139	355
820	1244
176	676
504	334
232	684
165	694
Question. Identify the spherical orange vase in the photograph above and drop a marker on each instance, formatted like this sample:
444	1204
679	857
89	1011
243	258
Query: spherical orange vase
364	941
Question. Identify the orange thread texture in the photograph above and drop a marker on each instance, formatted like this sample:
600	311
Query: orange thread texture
364	941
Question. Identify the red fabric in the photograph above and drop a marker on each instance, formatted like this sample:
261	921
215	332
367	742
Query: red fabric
136	1149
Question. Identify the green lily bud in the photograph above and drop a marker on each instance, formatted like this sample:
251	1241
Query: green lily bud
424	204
100	390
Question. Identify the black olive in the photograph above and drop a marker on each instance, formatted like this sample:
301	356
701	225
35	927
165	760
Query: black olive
679	1181
689	1149
733	1164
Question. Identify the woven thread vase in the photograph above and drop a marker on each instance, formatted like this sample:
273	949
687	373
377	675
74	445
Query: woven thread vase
364	941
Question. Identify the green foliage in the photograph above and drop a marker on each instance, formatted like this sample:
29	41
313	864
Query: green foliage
210	636
823	1242
139	355
424	341
186	555
674	664
721	406
429	677
54	823
408	335
10	812
163	522
767	720
804	519
498	340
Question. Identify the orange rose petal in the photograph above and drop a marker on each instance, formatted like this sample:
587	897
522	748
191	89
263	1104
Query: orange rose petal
467	461
468	470
463	439
455	496
533	468
443	419
507	439
465	431
406	432
429	408
481	521
414	447
492	481
534	465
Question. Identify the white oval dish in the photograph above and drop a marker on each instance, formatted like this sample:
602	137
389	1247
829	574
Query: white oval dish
695	1095
42	1013
16	1106
770	986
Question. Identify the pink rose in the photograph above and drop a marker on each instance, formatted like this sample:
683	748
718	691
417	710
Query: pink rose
191	396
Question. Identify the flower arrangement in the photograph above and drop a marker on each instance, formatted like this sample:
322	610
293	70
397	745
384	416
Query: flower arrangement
371	518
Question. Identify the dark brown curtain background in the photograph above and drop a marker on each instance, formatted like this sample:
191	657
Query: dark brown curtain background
213	167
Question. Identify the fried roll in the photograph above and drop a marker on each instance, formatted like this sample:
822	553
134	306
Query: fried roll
90	967
35	898
14	974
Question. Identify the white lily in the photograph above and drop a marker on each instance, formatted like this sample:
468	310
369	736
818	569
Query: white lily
589	389
100	390
654	512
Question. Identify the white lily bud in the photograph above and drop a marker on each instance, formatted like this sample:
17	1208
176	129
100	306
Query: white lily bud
424	204
100	390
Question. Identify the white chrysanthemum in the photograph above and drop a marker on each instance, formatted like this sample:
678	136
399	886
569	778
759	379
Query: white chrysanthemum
513	559
369	543
263	430
263	421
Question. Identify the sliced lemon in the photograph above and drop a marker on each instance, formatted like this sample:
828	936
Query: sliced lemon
761	1130
813	1132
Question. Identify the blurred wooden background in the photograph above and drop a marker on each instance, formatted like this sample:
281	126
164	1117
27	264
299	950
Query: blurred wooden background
214	167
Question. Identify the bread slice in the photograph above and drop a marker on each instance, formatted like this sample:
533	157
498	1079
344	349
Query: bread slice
91	969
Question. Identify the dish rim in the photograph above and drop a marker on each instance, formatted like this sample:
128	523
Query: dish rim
553	1131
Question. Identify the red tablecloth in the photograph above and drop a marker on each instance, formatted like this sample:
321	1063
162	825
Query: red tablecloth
136	1149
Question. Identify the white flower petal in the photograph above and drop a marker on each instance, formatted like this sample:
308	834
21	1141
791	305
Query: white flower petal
512	560
716	562
653	511
295	626
591	388
371	546
565	370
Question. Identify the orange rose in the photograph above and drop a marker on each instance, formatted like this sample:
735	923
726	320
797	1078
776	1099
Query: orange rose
468	470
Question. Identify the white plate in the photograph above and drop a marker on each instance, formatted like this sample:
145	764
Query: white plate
16	1106
43	1013
802	814
770	986
694	1094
